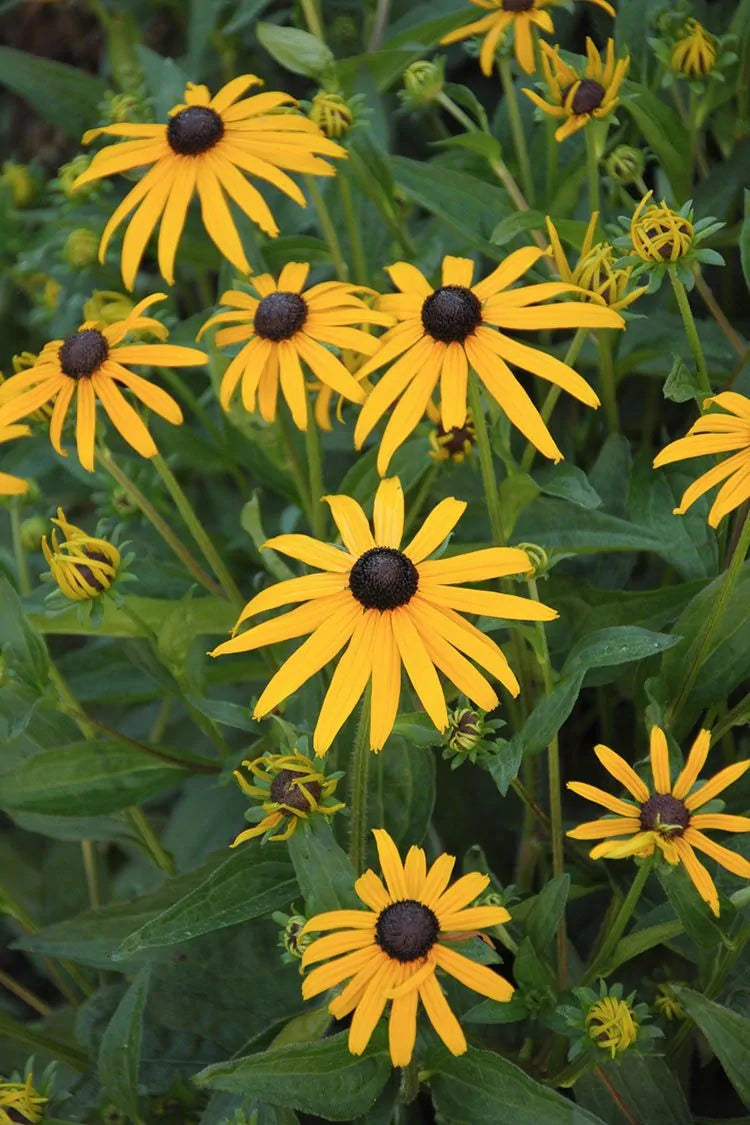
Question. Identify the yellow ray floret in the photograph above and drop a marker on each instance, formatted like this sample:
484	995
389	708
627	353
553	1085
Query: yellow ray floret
393	949
212	148
286	326
9	484
387	607
88	366
666	818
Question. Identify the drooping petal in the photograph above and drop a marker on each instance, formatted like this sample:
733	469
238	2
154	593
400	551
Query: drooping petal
440	1015
386	682
699	876
420	669
347	684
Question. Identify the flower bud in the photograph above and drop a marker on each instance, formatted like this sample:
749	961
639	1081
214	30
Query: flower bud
423	82
81	248
82	566
19	179
625	164
332	114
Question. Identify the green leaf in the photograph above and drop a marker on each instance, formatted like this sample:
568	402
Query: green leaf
530	971
583	531
728	1035
294	49
39	1041
64	95
568	482
505	764
245	886
547	910
664	132
641	941
316	1078
682	384
210	617
295	248
120	1051
401	792
482	1088
518	223
745	240
324	873
644	1085
692	911
86	779
250	520
24	653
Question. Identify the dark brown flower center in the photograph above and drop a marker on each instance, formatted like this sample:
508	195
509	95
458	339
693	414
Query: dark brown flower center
87	573
588	96
83	353
451	313
383	578
406	930
280	315
454	440
665	814
518	5
285	790
194	130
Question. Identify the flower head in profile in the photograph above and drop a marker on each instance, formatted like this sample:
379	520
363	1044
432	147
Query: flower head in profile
596	271
82	565
88	365
286	326
208	147
694	53
388	606
523	17
666	818
11	485
393	949
291	789
580	96
716	433
441	332
660	239
20	1102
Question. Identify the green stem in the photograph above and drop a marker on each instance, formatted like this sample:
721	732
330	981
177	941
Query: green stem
157	522
604	342
416	505
409	1087
718	314
624	915
484	447
26	995
195	527
700	650
592	167
352	229
150	840
294	462
691	331
457	113
516	128
358	770
312	18
89	867
328	229
555	794
379	25
70	705
553	395
19	553
315	474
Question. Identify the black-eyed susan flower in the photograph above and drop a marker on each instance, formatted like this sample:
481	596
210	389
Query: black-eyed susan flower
291	789
716	433
392	950
520	16
694	53
596	271
82	565
577	95
286	325
606	1022
208	147
441	332
88	365
11	485
389	607
667	818
19	1101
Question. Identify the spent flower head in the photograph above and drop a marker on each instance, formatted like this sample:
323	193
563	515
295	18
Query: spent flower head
660	238
470	737
291	788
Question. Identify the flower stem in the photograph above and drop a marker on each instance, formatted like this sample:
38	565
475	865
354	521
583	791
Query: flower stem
27	996
150	840
555	798
409	1087
416	505
92	878
379	25
294	461
160	525
312	18
691	331
19	553
315	474
592	168
623	917
604	342
328	229
352	229
700	650
195	527
484	447
358	770
516	128
553	395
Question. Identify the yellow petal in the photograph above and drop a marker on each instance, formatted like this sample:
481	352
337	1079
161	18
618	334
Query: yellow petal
347	684
716	785
439	524
693	766
624	773
352	524
614	804
390	864
660	760
386	682
419	668
388	514
480	978
441	1017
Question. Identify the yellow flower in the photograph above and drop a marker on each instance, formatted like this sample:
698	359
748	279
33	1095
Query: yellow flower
290	788
204	149
522	16
19	1101
667	818
441	332
388	606
595	271
455	444
694	53
658	233
716	433
580	96
612	1025
392	950
88	365
81	565
286	325
10	485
